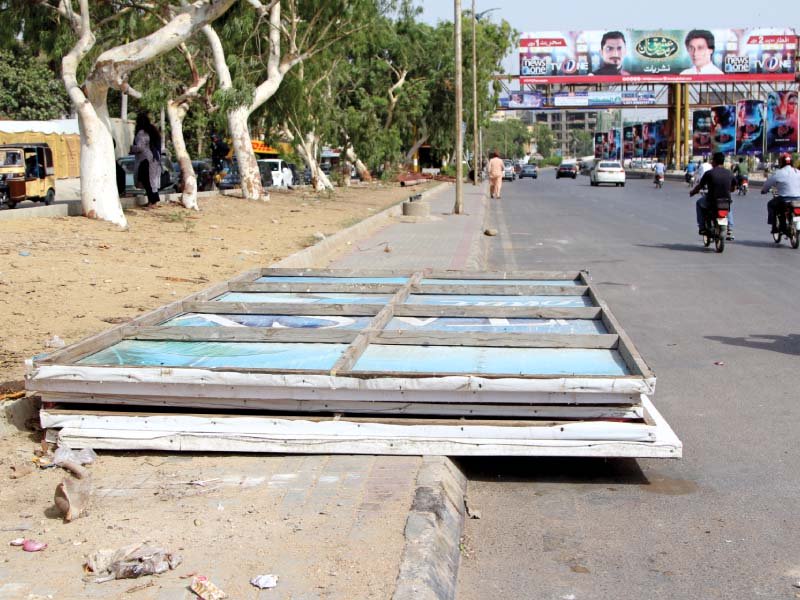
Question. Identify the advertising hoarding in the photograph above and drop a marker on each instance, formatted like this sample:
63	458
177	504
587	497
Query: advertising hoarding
526	100
599	142
701	132
658	56
750	127
782	121
662	136
638	141
627	142
723	128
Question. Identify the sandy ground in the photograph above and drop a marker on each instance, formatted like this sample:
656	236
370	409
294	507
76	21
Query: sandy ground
72	277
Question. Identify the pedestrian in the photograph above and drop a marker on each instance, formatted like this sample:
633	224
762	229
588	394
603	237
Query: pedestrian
288	176
219	153
146	150
496	168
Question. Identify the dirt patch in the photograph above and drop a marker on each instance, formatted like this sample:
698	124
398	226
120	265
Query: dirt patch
63	279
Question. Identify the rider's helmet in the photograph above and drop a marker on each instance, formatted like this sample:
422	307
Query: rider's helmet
785	159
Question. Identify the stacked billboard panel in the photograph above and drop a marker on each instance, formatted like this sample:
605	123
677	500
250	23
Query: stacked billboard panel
782	121
658	56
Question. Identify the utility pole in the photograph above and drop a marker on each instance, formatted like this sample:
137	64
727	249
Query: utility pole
475	156
459	206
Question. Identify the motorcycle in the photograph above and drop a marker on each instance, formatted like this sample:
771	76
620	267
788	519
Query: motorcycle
689	177
788	222
744	185
659	181
716	226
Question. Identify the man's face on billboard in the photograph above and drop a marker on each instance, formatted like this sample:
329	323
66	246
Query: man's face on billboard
699	52
613	52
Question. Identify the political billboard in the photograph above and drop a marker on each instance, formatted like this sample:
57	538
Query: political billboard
627	142
662	136
750	127
782	121
701	132
526	100
658	56
638	141
648	139
599	142
723	128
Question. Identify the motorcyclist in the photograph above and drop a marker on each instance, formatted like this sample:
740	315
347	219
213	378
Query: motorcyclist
702	168
219	153
742	172
659	169
786	181
719	184
691	168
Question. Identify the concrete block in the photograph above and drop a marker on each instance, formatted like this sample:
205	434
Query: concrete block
417	208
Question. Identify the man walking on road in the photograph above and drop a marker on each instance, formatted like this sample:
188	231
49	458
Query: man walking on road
496	168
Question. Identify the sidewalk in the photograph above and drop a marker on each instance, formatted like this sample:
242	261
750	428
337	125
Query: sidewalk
333	527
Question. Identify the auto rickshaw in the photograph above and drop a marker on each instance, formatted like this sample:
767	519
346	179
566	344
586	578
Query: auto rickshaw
26	173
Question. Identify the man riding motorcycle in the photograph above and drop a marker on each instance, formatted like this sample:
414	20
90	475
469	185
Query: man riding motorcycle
742	172
719	184
659	169
786	181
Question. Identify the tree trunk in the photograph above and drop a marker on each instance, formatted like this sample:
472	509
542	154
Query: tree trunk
176	111
363	172
307	149
415	148
243	149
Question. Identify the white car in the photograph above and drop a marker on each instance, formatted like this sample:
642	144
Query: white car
608	171
276	165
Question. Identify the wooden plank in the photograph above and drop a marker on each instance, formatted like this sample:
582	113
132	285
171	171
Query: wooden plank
282	308
344	407
501	340
502	290
509	312
284	272
311	288
241	334
360	343
104	339
448	274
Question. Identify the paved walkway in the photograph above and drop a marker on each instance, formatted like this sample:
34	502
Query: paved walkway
333	527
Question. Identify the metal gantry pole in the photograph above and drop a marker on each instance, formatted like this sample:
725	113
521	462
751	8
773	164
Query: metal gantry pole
475	155
459	205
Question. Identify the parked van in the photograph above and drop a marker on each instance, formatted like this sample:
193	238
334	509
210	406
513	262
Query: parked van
276	166
26	173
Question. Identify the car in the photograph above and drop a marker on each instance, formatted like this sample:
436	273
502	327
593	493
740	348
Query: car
276	165
170	180
203	170
27	172
266	174
231	178
529	171
608	171
508	171
567	169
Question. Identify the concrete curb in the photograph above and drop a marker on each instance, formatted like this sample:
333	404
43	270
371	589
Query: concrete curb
320	254
429	566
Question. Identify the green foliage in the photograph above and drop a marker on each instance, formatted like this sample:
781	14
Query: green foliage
550	161
29	89
581	143
509	137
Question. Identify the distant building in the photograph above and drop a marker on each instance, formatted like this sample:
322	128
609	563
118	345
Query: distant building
561	123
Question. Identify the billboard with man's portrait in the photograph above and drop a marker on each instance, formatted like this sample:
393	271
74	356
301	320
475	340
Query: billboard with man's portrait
701	132
750	127
648	140
723	128
638	141
782	121
658	56
599	142
627	142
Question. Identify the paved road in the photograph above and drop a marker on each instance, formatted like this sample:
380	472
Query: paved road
724	521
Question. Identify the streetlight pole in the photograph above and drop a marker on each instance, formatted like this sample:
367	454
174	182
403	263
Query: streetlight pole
459	205
475	155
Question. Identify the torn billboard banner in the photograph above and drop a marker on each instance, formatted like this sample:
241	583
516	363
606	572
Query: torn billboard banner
658	56
749	127
701	132
782	121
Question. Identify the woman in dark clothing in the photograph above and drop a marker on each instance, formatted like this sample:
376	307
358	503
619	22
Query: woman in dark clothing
147	152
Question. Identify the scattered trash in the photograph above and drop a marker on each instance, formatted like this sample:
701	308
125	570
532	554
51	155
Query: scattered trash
205	589
319	236
64	454
490	232
138	588
72	494
796	583
55	342
719	363
33	545
24	253
12	395
131	562
17	542
265	582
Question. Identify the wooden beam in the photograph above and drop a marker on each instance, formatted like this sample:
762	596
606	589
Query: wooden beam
312	288
499	340
282	272
501	290
447	274
509	312
242	334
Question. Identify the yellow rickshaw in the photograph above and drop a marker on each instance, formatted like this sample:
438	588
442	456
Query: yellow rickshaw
26	173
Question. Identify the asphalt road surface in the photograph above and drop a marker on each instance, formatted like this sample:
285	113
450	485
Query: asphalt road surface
722	333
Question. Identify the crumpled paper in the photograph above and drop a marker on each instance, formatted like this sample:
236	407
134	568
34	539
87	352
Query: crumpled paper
131	562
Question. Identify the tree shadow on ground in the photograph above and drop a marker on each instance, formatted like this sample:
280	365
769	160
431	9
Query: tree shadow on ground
623	471
785	344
